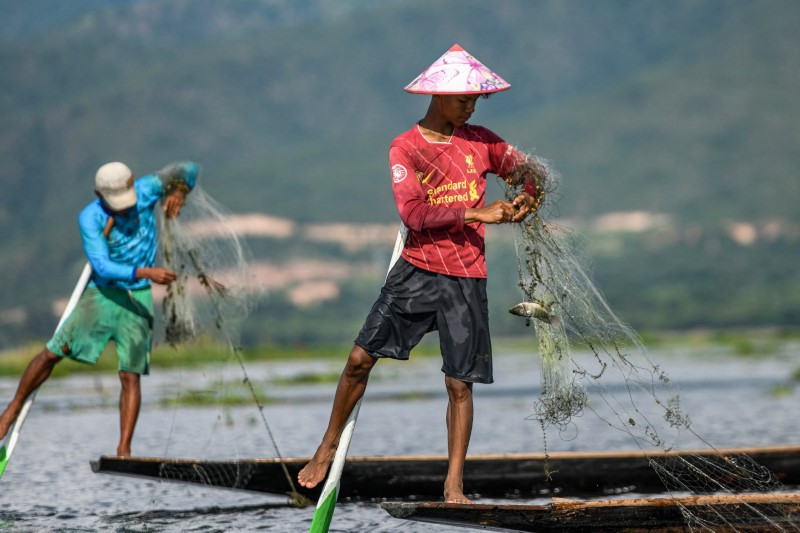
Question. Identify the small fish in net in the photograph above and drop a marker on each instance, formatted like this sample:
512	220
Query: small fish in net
591	360
535	310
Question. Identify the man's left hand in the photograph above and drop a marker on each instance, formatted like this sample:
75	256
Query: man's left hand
173	203
523	204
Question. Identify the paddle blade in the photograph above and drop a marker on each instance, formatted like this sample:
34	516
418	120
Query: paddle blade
324	513
3	459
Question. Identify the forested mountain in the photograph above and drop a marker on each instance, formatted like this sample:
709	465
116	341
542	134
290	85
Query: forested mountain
684	109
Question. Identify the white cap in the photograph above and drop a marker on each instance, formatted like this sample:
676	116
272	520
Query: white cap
114	182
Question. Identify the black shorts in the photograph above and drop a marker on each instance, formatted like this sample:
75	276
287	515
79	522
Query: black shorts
413	302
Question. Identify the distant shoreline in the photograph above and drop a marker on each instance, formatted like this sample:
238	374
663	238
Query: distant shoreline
760	342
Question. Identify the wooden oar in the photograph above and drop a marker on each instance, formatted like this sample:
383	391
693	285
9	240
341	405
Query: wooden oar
330	492
8	444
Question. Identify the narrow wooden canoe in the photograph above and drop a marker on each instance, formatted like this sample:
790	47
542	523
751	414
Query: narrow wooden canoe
422	477
742	512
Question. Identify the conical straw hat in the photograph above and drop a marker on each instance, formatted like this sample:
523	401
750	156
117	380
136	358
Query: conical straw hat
457	72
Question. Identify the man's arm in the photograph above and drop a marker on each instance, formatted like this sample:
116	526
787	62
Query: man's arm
526	175
94	235
94	231
177	180
160	275
498	212
418	214
415	211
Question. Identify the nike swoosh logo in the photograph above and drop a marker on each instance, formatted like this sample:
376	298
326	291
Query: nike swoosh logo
428	176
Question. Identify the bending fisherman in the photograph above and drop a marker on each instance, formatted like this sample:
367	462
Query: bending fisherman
118	231
438	173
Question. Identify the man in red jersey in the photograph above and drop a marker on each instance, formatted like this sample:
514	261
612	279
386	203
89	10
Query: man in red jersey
438	171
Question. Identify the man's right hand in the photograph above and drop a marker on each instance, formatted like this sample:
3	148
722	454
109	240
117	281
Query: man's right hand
498	212
159	275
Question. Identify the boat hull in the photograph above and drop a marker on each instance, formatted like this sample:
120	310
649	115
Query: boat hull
746	512
422	477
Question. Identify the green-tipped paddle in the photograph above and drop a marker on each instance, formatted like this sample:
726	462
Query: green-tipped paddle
330	492
10	441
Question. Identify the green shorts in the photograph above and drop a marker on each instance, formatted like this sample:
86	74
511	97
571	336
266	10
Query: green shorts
104	314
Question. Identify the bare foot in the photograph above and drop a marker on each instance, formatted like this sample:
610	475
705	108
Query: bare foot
123	452
317	467
455	494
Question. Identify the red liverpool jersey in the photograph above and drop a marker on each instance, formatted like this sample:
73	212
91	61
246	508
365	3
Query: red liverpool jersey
434	183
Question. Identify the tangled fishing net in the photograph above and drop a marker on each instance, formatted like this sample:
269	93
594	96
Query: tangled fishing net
212	294
611	373
213	290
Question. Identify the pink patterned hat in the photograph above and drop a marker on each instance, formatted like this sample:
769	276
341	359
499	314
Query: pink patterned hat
457	72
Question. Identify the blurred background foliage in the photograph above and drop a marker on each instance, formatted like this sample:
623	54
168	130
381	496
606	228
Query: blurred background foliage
684	110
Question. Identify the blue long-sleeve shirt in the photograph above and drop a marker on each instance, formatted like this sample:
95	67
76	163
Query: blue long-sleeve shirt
133	241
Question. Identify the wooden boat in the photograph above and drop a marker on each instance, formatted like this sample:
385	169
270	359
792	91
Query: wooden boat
489	476
742	512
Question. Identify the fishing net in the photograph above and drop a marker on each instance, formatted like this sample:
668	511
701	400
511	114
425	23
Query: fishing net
212	294
592	361
231	475
214	288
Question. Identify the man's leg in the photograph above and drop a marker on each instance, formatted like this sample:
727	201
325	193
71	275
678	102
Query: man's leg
35	374
459	430
130	398
352	384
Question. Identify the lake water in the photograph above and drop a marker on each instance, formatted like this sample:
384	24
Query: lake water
49	486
